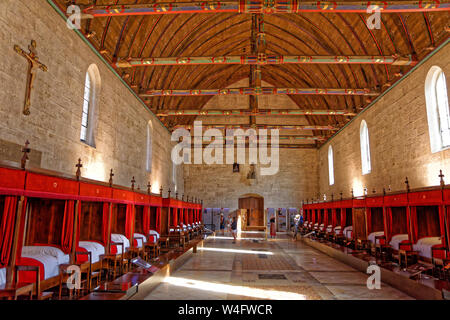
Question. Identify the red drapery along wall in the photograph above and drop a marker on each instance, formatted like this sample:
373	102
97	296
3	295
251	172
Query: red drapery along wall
67	228
412	224
333	218
369	220
343	217
7	230
129	222
146	220
186	216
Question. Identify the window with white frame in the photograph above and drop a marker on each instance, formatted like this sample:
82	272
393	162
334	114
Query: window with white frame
330	165
365	148
149	146
437	109
91	90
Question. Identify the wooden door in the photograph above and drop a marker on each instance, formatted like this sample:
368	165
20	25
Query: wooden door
359	223
255	210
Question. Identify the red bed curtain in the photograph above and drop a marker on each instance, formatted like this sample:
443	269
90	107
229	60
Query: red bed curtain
442	223
129	221
186	215
7	230
333	218
343	217
387	220
105	221
412	224
146	220
158	220
67	228
448	227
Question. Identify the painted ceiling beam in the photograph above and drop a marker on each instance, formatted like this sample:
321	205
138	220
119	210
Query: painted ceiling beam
263	59
281	145
258	126
292	138
246	112
265	7
258	91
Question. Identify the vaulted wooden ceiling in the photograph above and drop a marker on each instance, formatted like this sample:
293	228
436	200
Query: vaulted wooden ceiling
219	34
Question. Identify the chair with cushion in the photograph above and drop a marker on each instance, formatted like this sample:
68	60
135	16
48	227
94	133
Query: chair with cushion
37	285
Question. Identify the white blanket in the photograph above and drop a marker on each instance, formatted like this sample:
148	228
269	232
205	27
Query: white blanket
371	237
316	226
329	228
424	246
338	230
95	248
140	244
321	227
120	238
50	257
153	232
348	232
2	276
395	241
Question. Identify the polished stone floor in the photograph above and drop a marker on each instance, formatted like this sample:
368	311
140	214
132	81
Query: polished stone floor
256	268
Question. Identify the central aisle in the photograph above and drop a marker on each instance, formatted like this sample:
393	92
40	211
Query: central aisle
255	268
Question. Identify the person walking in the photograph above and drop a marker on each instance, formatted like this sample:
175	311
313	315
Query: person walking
273	231
234	229
222	224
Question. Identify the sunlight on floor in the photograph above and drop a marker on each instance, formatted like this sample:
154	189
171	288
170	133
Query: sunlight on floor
234	250
236	290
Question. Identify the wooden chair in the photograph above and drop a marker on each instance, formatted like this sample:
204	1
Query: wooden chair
37	285
92	275
440	261
405	250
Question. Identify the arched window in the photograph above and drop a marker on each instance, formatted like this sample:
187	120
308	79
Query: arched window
437	109
365	148
88	118
330	165
149	146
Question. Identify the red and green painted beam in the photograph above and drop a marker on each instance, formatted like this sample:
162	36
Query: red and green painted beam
258	126
247	112
257	91
263	59
291	138
269	145
265	7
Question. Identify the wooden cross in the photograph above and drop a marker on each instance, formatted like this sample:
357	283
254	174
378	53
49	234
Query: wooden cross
133	181
149	187
111	175
182	197
441	176
169	193
78	166
33	63
332	197
352	193
384	191
176	195
161	191
25	151
341	194
407	184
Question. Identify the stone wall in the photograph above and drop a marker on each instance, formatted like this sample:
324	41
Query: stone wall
399	141
53	127
219	187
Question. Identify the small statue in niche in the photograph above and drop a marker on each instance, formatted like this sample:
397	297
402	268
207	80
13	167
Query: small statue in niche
235	167
252	173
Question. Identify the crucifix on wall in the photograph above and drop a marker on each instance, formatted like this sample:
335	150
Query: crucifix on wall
33	63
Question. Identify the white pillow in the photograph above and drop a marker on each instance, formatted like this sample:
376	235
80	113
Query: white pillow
121	239
155	233
2	276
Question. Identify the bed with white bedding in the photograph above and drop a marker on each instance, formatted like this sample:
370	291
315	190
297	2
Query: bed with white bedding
348	232
321	227
120	238
371	237
49	257
96	249
329	228
424	245
397	239
316	226
140	239
337	230
2	276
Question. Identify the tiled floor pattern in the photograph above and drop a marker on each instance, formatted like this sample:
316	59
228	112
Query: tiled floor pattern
266	269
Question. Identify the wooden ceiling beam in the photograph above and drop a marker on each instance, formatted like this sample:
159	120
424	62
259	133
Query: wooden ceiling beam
257	126
263	59
247	112
257	91
262	7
